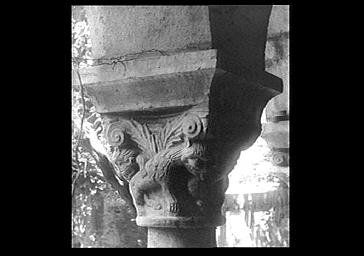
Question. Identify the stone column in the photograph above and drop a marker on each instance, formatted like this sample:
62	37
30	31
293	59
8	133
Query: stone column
276	130
174	122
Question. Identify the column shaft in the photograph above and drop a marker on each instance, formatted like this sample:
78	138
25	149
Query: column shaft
181	238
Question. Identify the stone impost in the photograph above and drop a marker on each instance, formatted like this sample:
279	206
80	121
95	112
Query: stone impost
174	122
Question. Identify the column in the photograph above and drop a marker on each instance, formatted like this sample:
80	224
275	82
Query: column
276	130
174	123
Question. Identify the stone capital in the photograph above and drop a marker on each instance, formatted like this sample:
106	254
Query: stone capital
177	149
174	121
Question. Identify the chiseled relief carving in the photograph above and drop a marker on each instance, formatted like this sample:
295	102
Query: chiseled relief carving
150	154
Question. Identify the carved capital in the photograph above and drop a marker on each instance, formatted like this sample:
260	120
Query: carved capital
164	158
177	154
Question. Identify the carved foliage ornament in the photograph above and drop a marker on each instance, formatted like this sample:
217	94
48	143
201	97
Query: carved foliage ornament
146	153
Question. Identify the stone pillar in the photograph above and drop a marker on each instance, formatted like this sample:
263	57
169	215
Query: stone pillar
276	130
174	122
181	238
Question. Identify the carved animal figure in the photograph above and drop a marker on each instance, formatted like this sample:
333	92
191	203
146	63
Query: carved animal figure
155	173
148	165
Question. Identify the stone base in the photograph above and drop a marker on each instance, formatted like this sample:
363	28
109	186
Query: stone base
181	238
179	222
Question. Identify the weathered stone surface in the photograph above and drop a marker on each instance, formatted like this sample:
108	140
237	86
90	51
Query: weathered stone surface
181	238
144	65
277	57
276	134
152	92
277	64
279	20
179	222
121	30
177	161
175	125
276	131
180	79
280	157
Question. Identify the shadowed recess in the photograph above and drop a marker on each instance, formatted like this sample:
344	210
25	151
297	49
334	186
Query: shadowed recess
239	33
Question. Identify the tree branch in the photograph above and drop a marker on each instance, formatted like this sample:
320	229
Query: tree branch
109	174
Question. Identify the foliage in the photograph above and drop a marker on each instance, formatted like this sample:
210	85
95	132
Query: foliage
261	191
81	42
270	228
90	186
87	178
267	212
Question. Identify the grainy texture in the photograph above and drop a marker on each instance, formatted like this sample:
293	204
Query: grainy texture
152	92
276	130
148	66
121	30
277	57
181	238
276	134
179	130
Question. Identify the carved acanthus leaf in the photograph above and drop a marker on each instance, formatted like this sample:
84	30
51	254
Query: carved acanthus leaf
141	134
171	134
